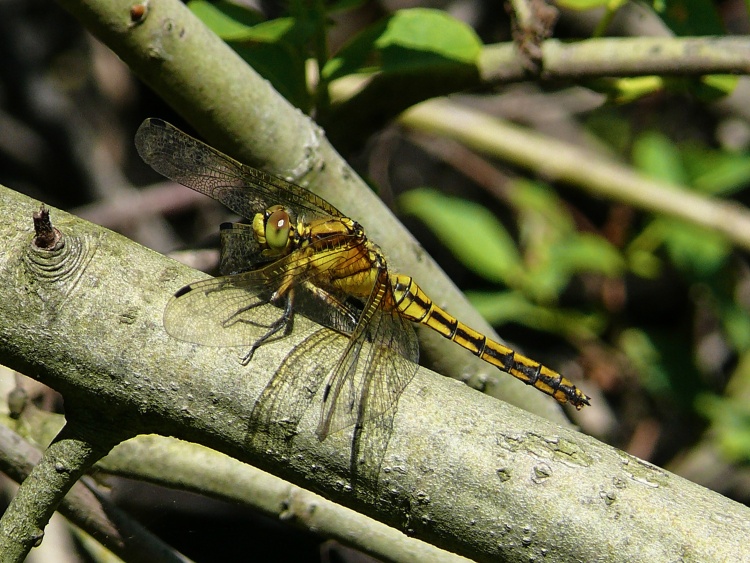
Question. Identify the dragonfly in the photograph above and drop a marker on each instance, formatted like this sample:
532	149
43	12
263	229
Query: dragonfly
301	254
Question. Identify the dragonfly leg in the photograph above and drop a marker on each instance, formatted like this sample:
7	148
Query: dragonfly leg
283	322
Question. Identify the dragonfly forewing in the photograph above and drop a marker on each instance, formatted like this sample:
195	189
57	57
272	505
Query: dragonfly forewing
240	250
243	189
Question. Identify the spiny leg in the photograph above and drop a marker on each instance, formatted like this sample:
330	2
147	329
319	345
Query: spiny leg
285	321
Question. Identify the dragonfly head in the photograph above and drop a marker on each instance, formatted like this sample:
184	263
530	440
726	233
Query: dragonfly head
274	230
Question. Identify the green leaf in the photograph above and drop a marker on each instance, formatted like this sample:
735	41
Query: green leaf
282	65
586	252
627	90
708	88
716	172
730	424
582	5
713	87
502	307
646	358
273	31
408	41
536	202
550	272
609	125
553	249
275	48
643	263
662	364
736	324
228	21
472	234
693	249
690	17
657	156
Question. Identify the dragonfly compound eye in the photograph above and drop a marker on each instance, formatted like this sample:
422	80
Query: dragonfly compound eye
277	229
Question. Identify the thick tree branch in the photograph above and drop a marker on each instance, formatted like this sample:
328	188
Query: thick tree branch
461	470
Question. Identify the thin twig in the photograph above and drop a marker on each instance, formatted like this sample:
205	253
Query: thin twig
87	509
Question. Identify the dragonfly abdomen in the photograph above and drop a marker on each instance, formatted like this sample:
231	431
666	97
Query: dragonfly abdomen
415	305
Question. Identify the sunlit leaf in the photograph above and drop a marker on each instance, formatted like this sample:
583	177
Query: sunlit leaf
627	90
715	86
472	234
657	156
410	40
582	5
228	21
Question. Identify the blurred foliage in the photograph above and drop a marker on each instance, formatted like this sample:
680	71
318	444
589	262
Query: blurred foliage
412	40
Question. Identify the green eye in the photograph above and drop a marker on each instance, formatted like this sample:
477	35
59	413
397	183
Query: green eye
277	229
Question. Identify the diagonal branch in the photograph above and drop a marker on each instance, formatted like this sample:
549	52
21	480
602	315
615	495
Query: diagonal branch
461	471
85	508
561	162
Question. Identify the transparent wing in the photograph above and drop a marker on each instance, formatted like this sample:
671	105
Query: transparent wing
375	368
292	389
329	308
243	189
226	311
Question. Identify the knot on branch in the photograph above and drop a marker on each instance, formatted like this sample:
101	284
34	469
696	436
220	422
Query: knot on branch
532	21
